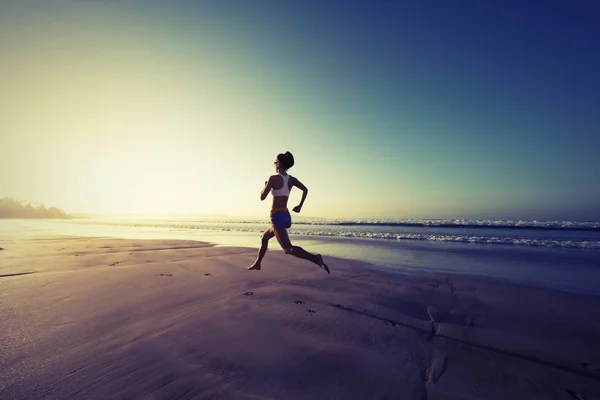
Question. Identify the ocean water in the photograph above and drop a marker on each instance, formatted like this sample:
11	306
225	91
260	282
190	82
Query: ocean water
556	234
562	255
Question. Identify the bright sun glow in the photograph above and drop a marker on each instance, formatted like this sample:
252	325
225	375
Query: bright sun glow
117	123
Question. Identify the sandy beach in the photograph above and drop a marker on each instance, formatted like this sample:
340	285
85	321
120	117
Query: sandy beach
97	318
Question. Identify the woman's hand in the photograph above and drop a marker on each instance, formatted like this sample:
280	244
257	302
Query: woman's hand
297	209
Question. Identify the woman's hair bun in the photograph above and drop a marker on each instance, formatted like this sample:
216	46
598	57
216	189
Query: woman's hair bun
286	160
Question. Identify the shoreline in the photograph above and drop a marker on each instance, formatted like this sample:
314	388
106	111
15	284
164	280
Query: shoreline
567	270
121	318
564	238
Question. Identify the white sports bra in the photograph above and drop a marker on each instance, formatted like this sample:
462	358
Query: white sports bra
285	190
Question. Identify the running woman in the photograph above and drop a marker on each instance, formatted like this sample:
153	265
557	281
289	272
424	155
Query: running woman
280	186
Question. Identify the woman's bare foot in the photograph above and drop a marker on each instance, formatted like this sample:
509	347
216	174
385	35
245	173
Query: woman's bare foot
322	263
255	266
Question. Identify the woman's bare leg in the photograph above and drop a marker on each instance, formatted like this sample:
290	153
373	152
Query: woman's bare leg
266	236
297	251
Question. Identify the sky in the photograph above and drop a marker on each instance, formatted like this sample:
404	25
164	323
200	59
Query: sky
392	109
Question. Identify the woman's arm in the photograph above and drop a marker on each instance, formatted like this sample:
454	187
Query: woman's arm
304	189
267	189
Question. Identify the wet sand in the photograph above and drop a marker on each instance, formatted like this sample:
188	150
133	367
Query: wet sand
97	318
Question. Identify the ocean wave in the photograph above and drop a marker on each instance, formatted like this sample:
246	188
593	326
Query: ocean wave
571	244
432	223
419	223
460	223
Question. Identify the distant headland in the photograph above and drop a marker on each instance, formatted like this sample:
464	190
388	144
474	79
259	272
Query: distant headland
12	208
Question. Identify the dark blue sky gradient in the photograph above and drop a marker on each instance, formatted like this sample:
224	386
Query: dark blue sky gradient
497	94
481	95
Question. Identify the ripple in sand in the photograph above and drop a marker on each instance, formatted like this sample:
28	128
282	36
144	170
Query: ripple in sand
437	368
593	366
578	396
16	274
436	318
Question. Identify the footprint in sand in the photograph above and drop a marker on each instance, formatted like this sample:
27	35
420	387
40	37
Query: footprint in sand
208	274
115	263
311	312
165	274
299	302
248	293
451	286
